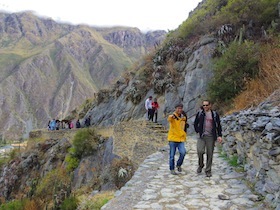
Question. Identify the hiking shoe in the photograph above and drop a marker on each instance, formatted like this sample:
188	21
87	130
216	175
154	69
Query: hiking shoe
173	172
208	174
199	170
179	168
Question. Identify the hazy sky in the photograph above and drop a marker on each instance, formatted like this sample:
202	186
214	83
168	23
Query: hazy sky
144	14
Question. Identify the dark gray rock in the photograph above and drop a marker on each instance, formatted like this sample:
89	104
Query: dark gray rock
274	151
269	126
260	123
223	197
242	121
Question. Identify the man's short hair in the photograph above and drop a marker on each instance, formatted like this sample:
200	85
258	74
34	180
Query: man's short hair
209	102
179	105
150	96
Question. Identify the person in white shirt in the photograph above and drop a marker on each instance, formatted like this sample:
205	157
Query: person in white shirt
149	108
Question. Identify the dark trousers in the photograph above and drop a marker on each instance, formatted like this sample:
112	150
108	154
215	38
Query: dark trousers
150	114
155	115
205	143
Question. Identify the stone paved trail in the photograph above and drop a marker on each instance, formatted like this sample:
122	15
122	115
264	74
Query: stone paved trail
152	186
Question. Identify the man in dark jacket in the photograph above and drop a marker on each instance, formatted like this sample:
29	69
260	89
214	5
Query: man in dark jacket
207	124
87	122
78	124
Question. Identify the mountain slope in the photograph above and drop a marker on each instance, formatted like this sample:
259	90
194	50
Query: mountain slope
48	68
182	68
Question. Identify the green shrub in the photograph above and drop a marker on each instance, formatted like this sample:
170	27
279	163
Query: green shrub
214	13
85	143
13	205
72	162
70	203
52	183
232	70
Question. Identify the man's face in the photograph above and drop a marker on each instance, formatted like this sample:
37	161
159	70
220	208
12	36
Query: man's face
179	110
150	98
206	106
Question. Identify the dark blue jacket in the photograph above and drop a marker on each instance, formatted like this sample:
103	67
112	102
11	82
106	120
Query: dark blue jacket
200	121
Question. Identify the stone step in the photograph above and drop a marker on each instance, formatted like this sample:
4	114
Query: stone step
161	131
155	126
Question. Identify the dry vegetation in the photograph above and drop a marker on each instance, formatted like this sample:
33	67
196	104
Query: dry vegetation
265	84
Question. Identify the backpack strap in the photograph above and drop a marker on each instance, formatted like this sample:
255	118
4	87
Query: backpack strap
176	117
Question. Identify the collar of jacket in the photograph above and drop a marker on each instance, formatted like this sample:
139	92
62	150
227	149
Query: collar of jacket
203	112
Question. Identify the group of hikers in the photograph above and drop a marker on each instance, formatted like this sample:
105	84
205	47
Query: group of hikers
67	124
152	107
207	125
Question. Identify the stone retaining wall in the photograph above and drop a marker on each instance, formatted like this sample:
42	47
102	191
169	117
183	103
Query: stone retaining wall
254	136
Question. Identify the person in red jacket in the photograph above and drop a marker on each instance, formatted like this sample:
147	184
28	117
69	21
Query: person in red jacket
155	106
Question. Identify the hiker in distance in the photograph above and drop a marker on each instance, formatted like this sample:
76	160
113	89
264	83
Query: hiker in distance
149	108
207	124
177	137
155	107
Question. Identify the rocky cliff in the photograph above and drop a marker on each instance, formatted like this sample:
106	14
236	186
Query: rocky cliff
48	69
43	172
184	79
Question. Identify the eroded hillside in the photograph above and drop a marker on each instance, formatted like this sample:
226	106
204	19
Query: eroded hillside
47	68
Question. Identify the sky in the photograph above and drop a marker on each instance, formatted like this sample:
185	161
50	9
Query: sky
144	14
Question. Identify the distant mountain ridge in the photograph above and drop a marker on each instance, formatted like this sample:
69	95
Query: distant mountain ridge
48	68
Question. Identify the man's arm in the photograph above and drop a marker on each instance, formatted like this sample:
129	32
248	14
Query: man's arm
146	105
219	128
170	118
196	121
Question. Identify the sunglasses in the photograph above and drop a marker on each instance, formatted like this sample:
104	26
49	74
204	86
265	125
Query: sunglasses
205	105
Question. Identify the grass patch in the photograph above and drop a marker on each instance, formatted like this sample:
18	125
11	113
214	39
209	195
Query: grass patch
233	161
23	204
267	81
70	203
13	205
212	14
95	202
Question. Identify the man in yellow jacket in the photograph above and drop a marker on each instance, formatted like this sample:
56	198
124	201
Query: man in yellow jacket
177	137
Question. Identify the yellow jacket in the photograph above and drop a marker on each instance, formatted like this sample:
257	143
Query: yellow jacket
176	131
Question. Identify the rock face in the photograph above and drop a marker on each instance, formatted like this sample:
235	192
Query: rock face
48	69
254	136
19	174
185	81
132	41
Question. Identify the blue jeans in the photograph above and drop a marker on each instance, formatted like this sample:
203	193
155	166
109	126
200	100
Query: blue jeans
182	151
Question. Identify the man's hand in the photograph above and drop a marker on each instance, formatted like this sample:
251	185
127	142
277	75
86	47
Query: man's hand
171	116
220	140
